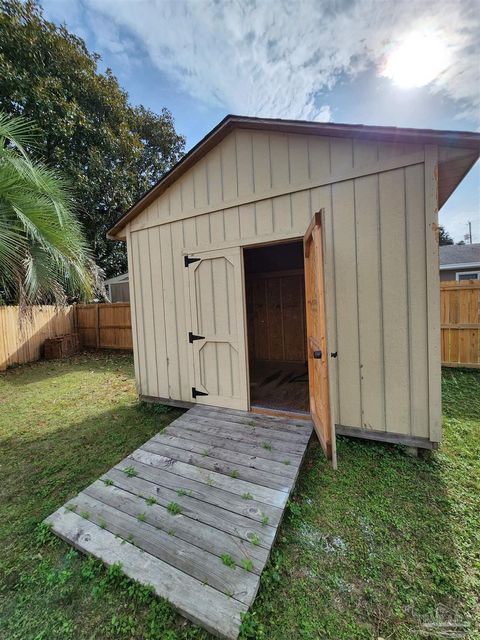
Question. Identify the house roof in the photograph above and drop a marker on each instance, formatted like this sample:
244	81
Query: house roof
117	279
462	139
459	255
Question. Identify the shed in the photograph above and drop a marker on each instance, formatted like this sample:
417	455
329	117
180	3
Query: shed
118	289
291	266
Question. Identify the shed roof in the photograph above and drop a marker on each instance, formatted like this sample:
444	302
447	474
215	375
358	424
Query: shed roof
462	139
454	255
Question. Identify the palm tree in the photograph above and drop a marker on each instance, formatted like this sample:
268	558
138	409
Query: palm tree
44	257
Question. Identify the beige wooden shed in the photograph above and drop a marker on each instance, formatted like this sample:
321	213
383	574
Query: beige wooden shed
292	267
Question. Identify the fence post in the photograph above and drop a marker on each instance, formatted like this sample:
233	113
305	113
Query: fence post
97	325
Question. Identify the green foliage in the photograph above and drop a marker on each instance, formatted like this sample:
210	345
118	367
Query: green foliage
110	150
267	446
151	501
264	520
174	508
228	560
247	496
234	474
184	492
247	564
130	471
43	253
141	517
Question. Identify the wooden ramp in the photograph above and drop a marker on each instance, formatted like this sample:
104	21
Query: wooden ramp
194	511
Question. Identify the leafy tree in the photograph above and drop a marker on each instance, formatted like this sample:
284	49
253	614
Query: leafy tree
444	237
43	252
111	151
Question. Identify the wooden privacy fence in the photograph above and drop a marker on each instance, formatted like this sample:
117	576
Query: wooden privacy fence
104	326
22	343
460	323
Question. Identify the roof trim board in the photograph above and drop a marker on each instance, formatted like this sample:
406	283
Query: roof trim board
461	139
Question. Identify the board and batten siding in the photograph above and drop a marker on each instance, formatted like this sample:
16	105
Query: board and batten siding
381	264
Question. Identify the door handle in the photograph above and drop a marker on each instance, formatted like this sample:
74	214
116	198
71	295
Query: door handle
317	355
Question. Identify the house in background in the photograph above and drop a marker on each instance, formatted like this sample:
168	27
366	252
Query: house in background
460	262
117	288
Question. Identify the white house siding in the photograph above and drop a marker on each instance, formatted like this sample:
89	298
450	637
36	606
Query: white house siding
381	264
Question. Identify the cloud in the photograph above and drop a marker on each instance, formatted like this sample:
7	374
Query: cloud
280	58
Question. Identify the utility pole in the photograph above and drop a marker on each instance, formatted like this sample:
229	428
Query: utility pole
470	231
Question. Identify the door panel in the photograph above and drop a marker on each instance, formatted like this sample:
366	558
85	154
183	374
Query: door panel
216	303
317	348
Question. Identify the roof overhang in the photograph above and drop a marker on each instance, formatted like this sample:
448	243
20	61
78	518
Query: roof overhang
462	139
460	265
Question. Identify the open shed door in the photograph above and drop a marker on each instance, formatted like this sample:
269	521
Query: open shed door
217	328
317	353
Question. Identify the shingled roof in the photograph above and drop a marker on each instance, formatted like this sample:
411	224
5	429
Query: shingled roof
456	254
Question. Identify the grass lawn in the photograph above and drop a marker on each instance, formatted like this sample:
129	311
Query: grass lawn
386	547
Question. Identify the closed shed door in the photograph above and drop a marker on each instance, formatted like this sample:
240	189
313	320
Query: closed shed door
217	337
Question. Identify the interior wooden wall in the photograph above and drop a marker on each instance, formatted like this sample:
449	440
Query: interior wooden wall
276	316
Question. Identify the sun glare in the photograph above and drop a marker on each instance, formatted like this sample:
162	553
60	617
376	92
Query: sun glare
417	60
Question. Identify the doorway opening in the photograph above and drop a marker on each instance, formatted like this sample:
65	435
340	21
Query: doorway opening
276	327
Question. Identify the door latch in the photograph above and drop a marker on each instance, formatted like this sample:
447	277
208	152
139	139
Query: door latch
317	355
334	354
192	337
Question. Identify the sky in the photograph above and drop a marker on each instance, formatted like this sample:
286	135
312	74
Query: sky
406	63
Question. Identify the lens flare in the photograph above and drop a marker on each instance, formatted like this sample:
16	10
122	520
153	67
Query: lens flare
417	60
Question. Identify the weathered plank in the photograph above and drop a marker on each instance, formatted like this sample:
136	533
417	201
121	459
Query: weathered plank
206	492
268	445
301	429
181	526
206	461
241	427
254	462
234	485
192	433
194	561
229	521
198	602
230	482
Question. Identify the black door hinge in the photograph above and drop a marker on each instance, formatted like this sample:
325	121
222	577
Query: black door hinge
334	354
189	260
192	337
196	393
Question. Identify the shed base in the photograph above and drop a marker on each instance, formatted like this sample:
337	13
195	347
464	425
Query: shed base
382	436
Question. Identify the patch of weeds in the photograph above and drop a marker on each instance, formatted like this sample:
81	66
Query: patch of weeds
267	446
286	462
85	514
141	517
130	538
71	507
255	539
184	492
234	473
174	508
91	568
264	520
205	453
108	482
151	501
102	524
247	496
44	535
171	532
210	481
227	560
251	628
130	471
154	408
247	564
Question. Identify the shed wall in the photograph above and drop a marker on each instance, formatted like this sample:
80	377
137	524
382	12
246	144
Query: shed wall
380	264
